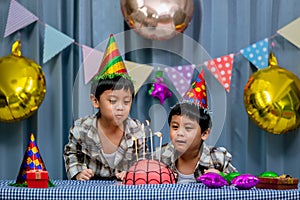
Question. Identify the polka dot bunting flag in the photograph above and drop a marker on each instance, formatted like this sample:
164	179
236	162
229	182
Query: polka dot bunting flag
221	68
257	53
181	77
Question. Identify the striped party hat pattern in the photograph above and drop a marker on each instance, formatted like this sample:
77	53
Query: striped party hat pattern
112	62
32	160
197	92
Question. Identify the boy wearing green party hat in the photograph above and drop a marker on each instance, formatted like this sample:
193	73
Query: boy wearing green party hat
104	145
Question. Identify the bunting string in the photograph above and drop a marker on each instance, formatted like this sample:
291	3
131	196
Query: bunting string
55	42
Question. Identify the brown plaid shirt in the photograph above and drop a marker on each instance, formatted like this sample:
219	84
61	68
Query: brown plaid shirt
211	157
84	149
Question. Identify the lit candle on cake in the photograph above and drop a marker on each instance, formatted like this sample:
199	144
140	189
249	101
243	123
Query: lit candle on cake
136	148
144	140
159	134
151	138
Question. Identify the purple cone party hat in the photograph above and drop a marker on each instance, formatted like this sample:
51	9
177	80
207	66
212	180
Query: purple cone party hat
112	62
32	160
197	92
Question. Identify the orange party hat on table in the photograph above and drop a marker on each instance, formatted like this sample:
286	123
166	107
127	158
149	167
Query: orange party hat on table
197	93
112	62
32	160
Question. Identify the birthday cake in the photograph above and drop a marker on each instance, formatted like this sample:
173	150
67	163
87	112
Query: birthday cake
148	172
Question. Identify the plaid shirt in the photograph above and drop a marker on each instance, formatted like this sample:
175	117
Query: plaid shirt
84	149
211	157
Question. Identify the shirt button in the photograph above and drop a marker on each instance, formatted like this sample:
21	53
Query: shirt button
217	166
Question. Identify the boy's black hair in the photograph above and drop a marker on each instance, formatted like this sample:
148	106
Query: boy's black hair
194	112
115	83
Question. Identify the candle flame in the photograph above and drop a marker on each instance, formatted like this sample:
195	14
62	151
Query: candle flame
147	122
158	134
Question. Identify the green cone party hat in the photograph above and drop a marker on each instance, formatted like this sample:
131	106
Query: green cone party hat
112	62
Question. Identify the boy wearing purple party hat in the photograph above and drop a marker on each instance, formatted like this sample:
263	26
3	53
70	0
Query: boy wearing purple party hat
187	155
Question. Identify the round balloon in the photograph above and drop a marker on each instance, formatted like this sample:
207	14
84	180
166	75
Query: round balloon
22	86
272	98
212	180
269	174
157	19
245	181
229	177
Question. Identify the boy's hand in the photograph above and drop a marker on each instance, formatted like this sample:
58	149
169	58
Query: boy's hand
211	170
85	175
121	175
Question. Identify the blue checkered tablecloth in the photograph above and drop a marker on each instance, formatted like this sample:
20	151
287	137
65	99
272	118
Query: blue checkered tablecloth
90	190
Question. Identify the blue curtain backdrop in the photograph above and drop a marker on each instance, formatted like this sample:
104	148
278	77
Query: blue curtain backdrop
221	27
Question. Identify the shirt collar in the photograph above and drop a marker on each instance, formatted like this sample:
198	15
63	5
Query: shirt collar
204	155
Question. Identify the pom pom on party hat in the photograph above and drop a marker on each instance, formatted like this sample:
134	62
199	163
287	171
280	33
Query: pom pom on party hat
112	62
32	160
197	92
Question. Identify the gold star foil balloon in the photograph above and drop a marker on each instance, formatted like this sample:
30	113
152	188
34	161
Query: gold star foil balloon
22	86
272	98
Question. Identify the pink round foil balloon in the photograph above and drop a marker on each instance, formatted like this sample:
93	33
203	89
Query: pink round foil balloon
245	181
157	19
212	180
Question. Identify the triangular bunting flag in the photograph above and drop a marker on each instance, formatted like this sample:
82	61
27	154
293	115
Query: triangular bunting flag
291	32
221	68
257	53
181	77
91	62
54	42
18	17
139	73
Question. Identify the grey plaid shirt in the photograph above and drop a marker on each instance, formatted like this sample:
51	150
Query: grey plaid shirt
211	157
84	149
